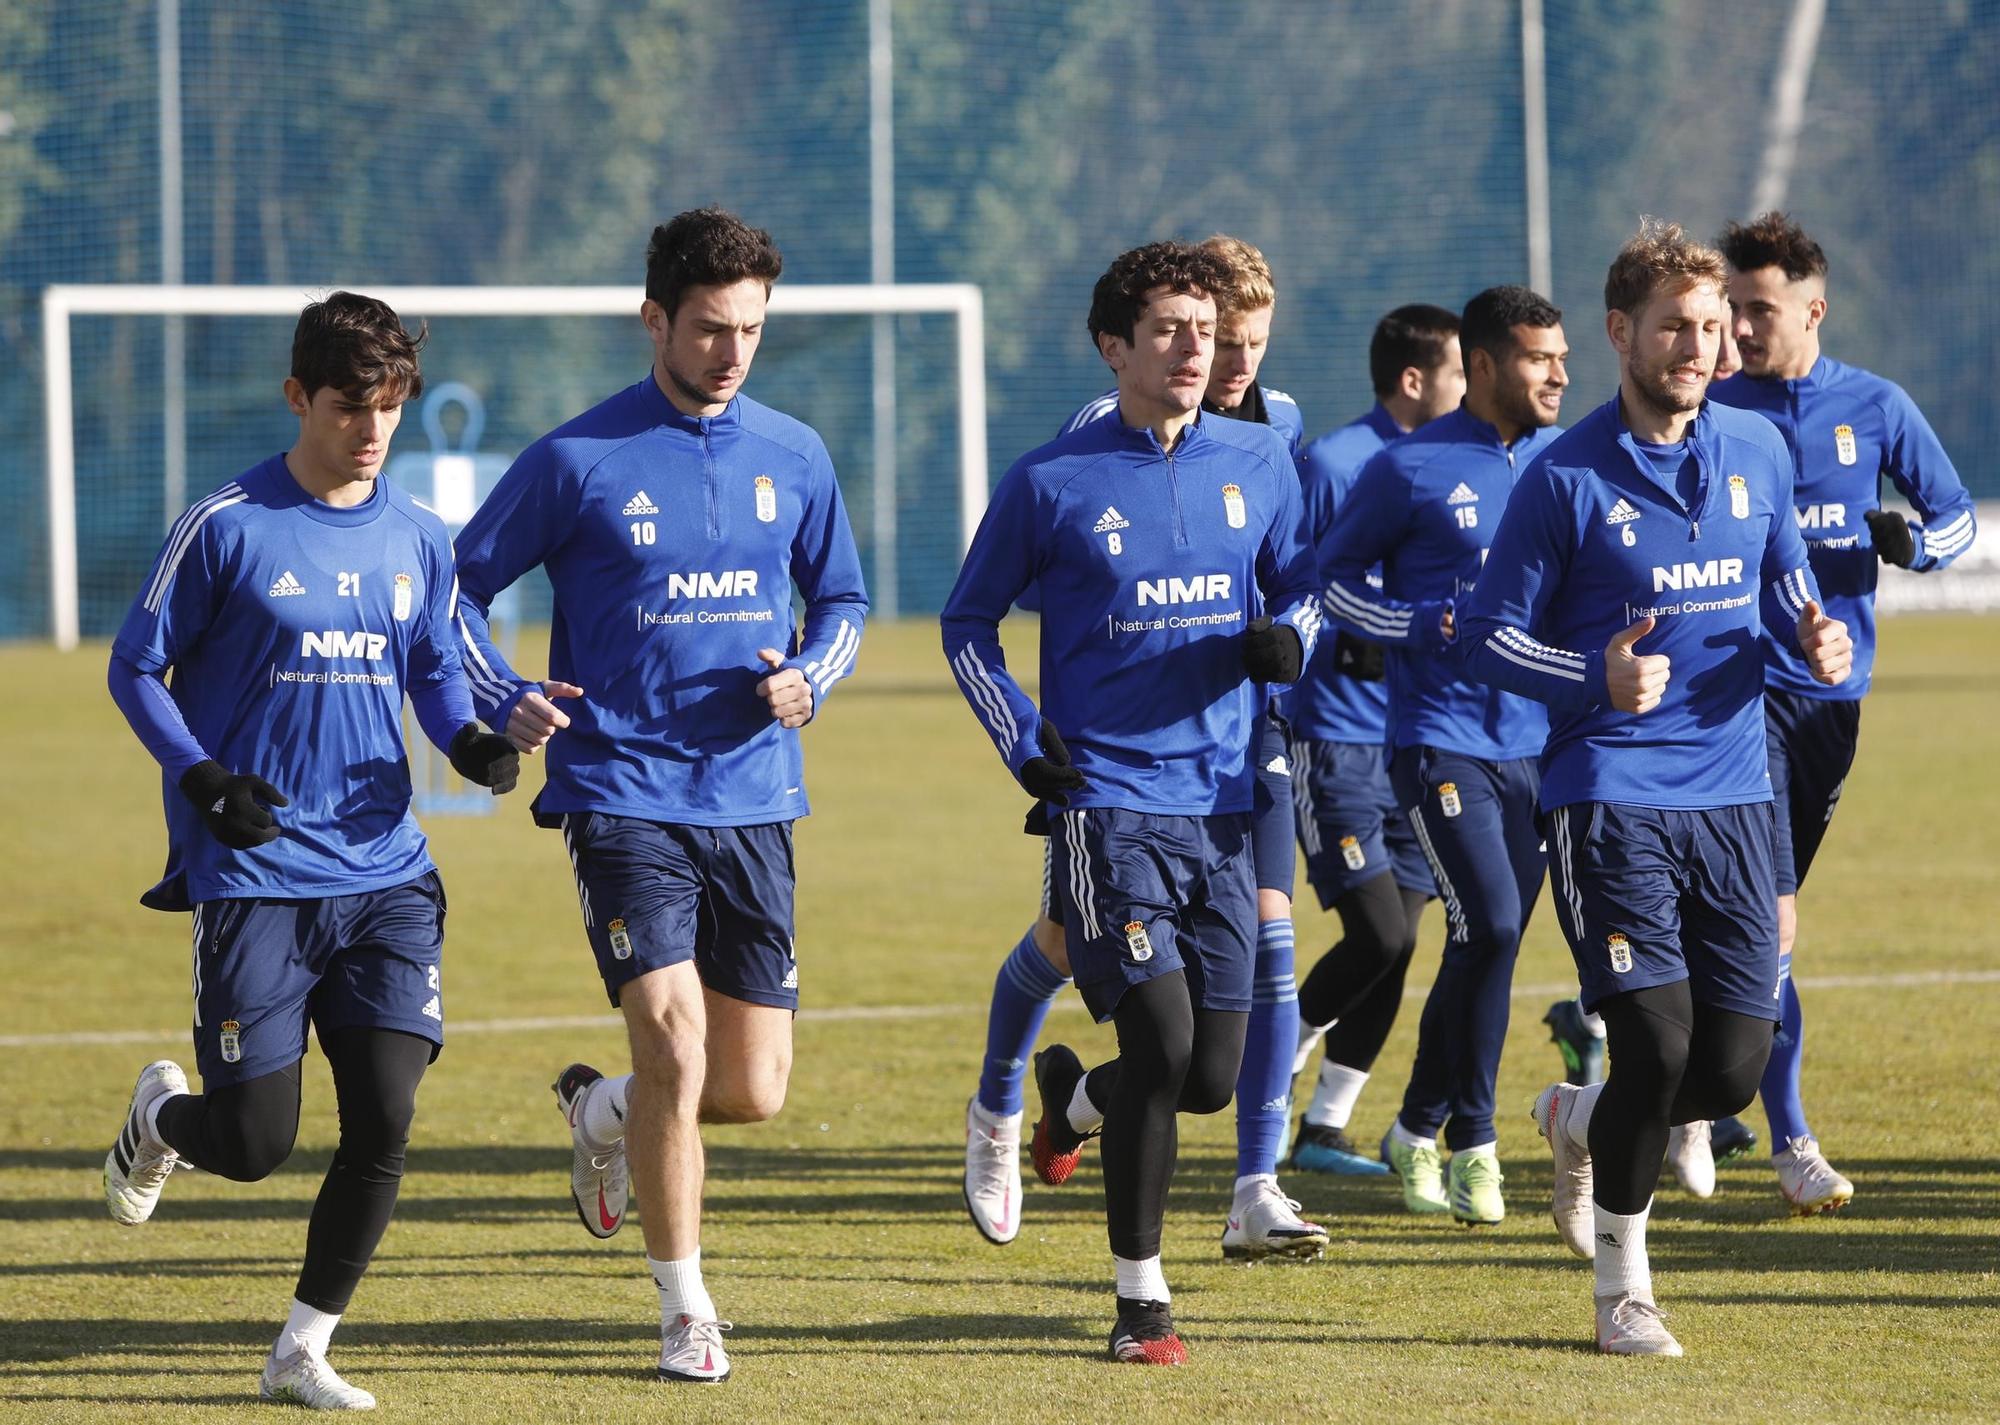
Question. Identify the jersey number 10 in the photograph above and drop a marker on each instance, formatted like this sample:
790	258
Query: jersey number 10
642	532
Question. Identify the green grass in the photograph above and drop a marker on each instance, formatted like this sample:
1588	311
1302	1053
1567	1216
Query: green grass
835	1235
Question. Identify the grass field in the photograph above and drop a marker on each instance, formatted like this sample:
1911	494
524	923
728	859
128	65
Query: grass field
836	1240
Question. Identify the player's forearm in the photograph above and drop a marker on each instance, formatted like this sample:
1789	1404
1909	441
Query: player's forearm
493	685
442	708
1006	712
154	716
1508	657
1301	613
831	643
1942	539
1368	613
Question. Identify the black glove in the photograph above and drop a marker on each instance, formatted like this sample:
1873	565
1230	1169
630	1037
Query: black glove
1892	537
1049	777
485	759
228	802
1272	653
1357	658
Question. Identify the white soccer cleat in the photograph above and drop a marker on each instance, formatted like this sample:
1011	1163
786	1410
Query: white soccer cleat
1269	1225
598	1180
1576	1220
306	1379
993	1173
138	1165
1808	1180
1632	1326
1692	1157
691	1352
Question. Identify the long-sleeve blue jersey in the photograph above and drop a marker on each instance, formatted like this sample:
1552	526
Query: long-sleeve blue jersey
1424	508
673	543
1847	428
1595	540
1281	413
293	629
1149	567
1327	705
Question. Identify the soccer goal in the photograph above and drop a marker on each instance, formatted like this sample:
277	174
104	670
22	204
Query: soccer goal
877	523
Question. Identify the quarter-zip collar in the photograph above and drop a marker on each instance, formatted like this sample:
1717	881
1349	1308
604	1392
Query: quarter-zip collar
1700	437
669	414
1141	441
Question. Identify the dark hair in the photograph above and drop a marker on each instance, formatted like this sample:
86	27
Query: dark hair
1774	240
1409	336
1120	294
1660	255
707	247
1490	318
357	345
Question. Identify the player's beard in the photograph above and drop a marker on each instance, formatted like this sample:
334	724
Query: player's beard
1522	409
695	393
1664	396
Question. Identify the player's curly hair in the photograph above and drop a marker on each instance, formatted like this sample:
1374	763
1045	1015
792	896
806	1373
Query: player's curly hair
1660	255
1120	294
358	346
707	247
1250	285
1773	240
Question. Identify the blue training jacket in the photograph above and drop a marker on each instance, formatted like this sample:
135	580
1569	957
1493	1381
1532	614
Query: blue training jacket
1594	540
1425	509
674	543
1846	429
1149	567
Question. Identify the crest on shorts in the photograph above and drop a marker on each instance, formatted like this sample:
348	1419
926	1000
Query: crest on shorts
1232	505
1844	446
621	942
232	1041
1621	953
1448	798
1352	854
1137	941
1739	497
767	498
405	587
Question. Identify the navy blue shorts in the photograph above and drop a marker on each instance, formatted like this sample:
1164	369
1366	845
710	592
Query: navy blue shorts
1348	822
657	893
263	967
1648	897
1811	744
1271	847
1146	895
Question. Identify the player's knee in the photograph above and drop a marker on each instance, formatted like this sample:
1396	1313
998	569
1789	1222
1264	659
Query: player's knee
1273	905
1653	1064
1208	1088
748	1093
1788	924
255	1149
669	1064
1050	941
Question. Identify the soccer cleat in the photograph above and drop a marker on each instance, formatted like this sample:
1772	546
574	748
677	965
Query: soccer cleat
1056	1146
1422	1173
598	1181
1145	1335
1582	1052
305	1379
1808	1180
1576	1220
691	1352
993	1173
1730	1138
1474	1181
1269	1225
1690	1156
1632	1326
1321	1149
138	1165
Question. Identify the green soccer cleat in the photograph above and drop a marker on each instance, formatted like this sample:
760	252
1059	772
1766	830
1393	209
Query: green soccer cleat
1422	1173
1475	1189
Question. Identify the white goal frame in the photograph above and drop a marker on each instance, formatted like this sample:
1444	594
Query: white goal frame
960	300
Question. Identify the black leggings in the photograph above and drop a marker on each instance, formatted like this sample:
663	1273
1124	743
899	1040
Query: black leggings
1359	982
1672	1061
1172	1058
244	1131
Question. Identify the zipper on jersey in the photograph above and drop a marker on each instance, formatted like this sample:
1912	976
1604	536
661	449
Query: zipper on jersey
1174	494
708	484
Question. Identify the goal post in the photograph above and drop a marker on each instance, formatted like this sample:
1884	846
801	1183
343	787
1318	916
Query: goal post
959	300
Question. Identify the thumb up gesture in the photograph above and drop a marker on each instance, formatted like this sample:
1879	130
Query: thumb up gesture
1829	651
1635	680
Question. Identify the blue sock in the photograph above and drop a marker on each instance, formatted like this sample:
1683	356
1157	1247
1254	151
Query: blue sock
1264	1083
1780	1088
1022	992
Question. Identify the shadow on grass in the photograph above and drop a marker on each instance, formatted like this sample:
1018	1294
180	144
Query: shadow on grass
513	1160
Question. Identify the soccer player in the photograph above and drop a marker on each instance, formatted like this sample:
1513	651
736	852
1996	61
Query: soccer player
1463	769
1847	428
1361	855
296	606
674	521
1158	626
1623	590
1262	1220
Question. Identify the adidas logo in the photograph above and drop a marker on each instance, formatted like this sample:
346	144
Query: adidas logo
791	980
641	504
1280	1104
286	586
434	1010
1463	495
1621	513
1109	521
1276	766
1609	1239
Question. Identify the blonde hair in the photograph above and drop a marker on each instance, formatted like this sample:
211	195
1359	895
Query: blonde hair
1250	286
1659	255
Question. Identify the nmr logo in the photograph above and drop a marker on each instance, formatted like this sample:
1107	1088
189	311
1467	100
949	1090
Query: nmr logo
729	584
1709	574
339	643
1201	589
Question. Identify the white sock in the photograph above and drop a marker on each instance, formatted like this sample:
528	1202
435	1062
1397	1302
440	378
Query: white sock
306	1329
1490	1149
1400	1134
1141	1280
995	1122
1084	1116
149	1121
1336	1094
681	1291
604	1111
1309	1035
1582	1103
1252	1184
1621	1254
1595	1024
